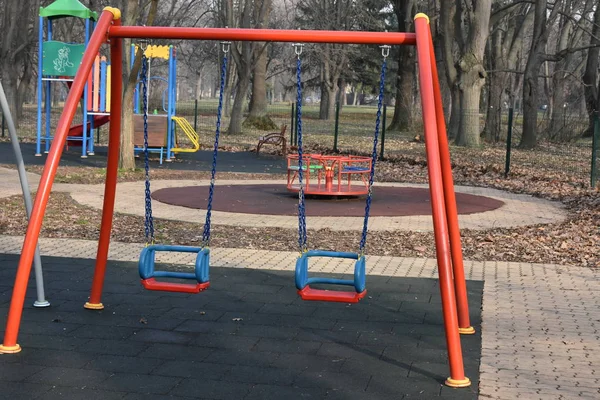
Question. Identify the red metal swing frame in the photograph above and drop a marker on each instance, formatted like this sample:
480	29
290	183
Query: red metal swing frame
445	219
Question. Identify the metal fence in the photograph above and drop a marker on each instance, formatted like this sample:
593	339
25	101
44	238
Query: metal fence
560	148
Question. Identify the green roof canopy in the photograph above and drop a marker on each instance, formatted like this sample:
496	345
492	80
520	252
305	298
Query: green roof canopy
67	8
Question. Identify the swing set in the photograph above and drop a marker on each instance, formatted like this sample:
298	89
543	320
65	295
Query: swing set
445	220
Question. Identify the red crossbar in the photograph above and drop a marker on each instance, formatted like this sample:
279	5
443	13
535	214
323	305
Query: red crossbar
263	35
330	295
153	284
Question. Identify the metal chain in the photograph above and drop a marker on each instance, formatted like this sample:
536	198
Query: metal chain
149	220
302	236
363	240
206	232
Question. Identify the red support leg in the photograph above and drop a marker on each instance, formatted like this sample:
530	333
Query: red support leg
41	200
460	285
457	373
112	167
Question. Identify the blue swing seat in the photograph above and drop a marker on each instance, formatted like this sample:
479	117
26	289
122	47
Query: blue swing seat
307	293
200	275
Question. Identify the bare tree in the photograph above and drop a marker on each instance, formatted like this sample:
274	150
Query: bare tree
132	12
568	66
403	113
257	115
333	58
19	35
537	55
504	55
590	76
243	14
465	24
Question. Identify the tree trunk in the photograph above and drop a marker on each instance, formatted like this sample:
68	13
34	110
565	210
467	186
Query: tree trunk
10	80
470	93
258	99
257	115
590	76
530	99
493	122
558	99
496	82
466	24
447	39
237	110
402	119
14	46
534	62
22	88
454	121
327	106
127	159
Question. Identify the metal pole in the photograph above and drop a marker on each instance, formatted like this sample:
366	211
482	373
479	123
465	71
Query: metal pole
112	168
262	35
337	124
595	135
438	207
37	260
383	133
292	124
508	142
196	115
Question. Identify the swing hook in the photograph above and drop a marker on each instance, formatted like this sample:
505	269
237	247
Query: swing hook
385	50
144	44
225	46
298	48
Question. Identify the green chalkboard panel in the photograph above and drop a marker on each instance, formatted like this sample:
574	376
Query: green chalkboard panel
61	59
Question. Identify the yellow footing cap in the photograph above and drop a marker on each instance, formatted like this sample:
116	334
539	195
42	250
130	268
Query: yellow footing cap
10	349
466	331
422	15
93	306
458	383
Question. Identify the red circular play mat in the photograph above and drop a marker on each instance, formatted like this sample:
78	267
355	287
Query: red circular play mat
275	199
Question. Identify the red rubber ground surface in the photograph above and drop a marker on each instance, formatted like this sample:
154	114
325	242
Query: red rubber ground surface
276	200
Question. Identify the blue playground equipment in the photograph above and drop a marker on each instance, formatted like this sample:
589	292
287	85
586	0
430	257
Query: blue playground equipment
147	260
162	130
58	62
303	282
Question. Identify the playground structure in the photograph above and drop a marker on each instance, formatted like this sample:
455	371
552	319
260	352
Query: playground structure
326	175
447	237
59	62
163	134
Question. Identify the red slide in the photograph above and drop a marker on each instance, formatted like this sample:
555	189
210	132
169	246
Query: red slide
77	130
